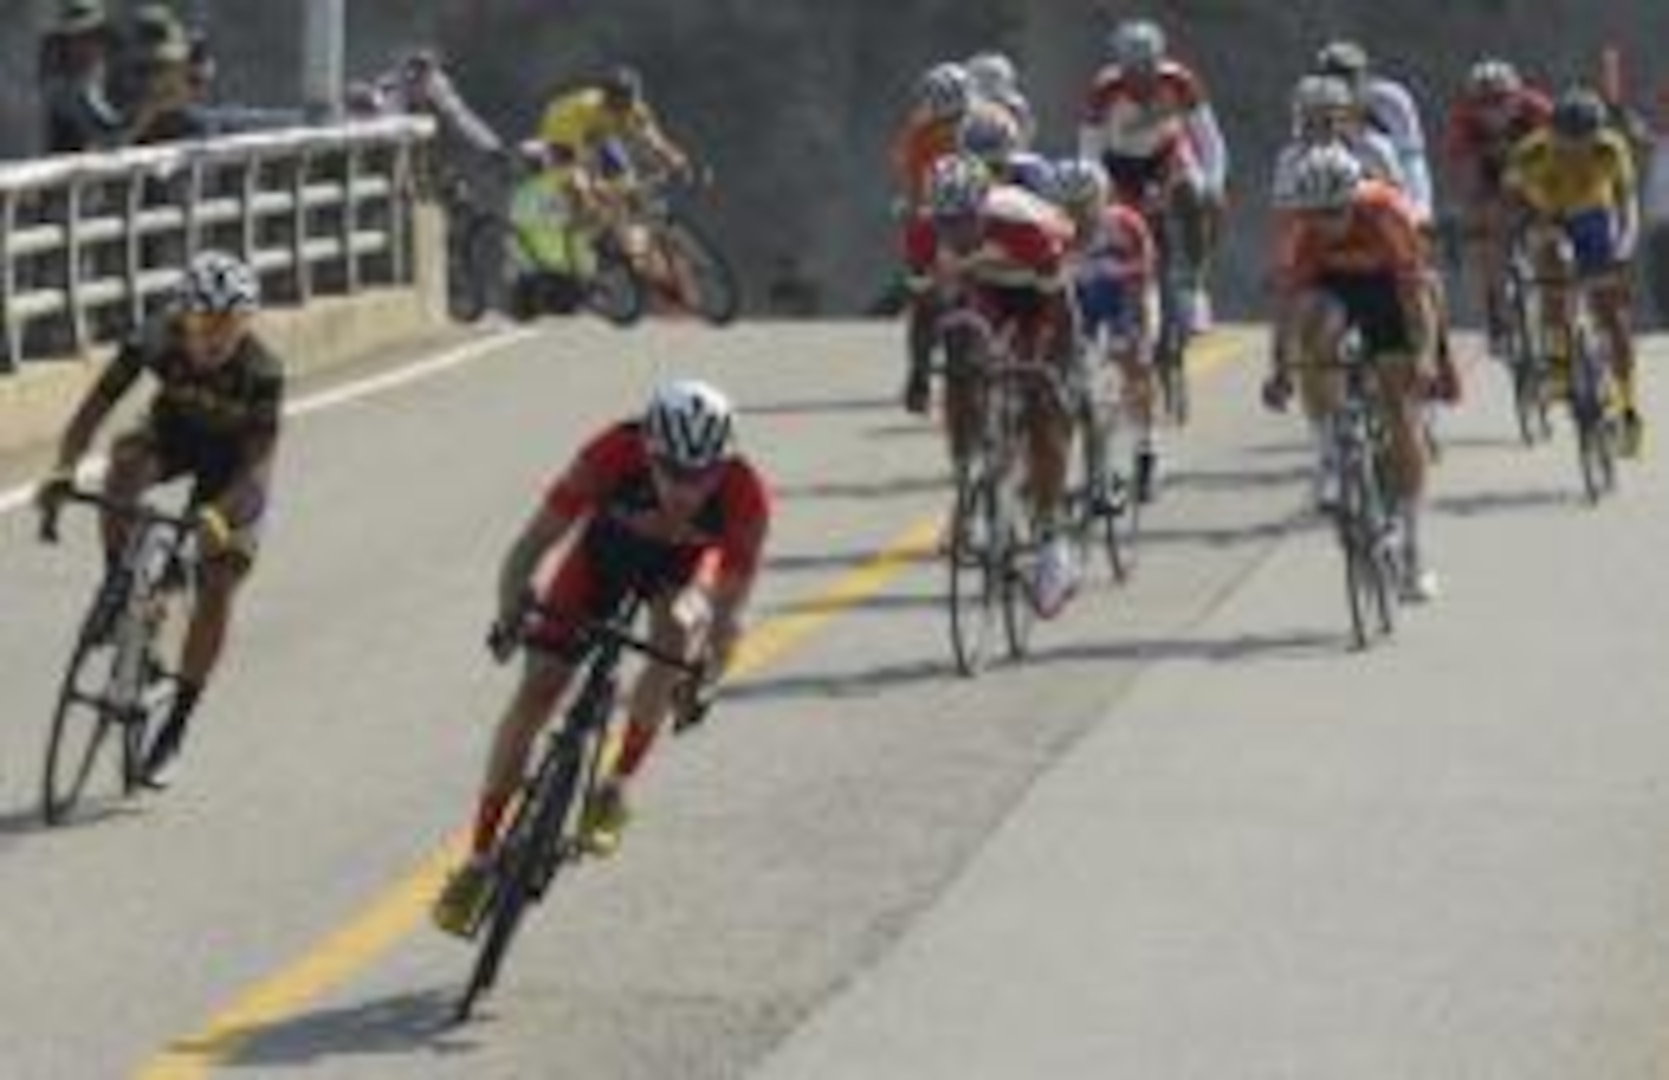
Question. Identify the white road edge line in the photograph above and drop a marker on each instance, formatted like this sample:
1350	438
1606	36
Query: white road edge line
18	497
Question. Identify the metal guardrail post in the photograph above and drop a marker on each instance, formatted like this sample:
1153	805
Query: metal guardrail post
76	314
350	219
399	207
8	286
248	188
300	266
193	229
133	263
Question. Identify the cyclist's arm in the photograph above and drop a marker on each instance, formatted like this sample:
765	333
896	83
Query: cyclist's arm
1206	136
748	521
110	388
660	144
546	529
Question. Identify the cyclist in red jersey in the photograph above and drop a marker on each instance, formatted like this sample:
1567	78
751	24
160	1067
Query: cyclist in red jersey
1496	111
659	507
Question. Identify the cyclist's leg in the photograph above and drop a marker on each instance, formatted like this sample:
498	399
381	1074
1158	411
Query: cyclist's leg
136	465
1551	255
1191	205
1320	320
1047	335
1605	276
922	335
578	591
220	574
1398	332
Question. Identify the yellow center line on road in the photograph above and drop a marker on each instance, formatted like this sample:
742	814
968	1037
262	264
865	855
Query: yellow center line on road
403	908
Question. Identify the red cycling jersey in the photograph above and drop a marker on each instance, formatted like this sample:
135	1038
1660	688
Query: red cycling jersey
1140	117
631	544
1023	243
1482	129
610	483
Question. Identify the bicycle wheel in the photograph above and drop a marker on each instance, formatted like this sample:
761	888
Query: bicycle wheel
1595	428
1106	509
528	856
615	292
1018	555
1535	425
717	297
1368	573
82	721
973	575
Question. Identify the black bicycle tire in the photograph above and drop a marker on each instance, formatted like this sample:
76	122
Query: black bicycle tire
683	237
627	288
1019	605
54	811
971	565
513	891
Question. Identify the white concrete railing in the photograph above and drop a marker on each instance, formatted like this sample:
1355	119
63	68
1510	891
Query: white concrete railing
87	240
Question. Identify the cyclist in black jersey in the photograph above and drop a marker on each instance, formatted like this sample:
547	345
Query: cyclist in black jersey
214	418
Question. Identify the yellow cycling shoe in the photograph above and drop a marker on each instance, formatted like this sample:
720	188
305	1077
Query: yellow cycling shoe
463	900
605	818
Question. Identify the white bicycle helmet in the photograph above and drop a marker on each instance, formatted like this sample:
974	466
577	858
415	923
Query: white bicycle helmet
993	74
217	282
1319	96
1137	45
1326	178
946	91
689	424
1081	182
1493	77
957	186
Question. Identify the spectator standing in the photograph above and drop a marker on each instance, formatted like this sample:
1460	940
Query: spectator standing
74	70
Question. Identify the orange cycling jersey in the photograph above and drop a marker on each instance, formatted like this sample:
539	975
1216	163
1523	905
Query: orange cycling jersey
1381	237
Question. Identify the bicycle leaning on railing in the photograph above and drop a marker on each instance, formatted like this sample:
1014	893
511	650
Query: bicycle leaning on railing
116	684
543	835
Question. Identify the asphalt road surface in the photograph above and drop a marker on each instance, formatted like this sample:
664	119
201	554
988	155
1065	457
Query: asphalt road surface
1192	836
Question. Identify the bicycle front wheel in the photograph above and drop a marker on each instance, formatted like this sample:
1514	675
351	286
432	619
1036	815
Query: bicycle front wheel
615	291
971	559
529	855
1019	554
1369	575
82	723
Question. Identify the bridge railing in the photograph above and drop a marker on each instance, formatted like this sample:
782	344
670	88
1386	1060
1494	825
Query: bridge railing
90	242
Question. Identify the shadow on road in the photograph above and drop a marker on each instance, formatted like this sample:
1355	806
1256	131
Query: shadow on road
1233	536
1238	649
1237	479
813	406
863	682
890	487
26	820
414	1022
1495	502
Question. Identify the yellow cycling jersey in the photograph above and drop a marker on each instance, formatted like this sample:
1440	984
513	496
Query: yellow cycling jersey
1569	180
581	121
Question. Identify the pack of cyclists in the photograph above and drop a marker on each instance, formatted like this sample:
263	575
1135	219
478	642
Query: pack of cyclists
1060	255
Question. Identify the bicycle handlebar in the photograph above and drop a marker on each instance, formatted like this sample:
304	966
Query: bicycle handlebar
48	531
